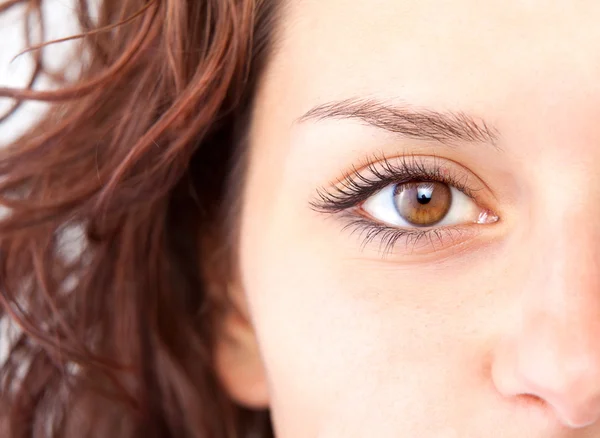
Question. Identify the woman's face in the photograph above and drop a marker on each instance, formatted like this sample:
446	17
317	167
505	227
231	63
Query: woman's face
420	237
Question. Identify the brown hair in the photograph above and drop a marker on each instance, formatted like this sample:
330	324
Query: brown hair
111	205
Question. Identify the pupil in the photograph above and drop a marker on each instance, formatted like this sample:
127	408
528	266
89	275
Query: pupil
423	199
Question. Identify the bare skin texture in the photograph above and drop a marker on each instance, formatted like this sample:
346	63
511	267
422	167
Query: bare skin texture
479	330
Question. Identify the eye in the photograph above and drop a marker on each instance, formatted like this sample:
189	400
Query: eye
424	204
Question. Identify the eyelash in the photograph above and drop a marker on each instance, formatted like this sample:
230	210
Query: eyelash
350	191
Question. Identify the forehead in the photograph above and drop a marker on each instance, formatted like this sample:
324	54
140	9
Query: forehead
455	52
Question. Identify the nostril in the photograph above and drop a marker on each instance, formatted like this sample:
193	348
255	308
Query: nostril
533	403
533	400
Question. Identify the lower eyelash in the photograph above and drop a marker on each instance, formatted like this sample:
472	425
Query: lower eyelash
388	237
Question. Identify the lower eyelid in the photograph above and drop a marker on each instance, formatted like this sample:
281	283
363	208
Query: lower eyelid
388	241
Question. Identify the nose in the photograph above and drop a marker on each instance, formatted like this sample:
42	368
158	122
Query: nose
552	353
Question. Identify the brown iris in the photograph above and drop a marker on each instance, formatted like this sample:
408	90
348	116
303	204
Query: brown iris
423	204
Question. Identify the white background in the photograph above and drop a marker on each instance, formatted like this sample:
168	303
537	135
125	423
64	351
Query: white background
60	22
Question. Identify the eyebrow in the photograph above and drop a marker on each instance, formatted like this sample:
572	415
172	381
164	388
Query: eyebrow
417	123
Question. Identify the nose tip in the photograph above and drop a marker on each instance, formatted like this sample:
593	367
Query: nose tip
565	385
578	418
577	415
576	403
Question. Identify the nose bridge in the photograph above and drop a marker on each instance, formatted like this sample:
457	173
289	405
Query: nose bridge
565	276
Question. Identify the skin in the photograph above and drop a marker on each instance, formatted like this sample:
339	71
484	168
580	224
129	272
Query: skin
492	334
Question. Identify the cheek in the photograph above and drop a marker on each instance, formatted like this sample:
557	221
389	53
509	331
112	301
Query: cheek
350	344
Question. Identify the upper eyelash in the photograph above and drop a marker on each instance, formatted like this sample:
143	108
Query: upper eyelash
355	187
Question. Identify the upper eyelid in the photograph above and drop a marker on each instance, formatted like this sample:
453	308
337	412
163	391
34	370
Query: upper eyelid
373	161
386	171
